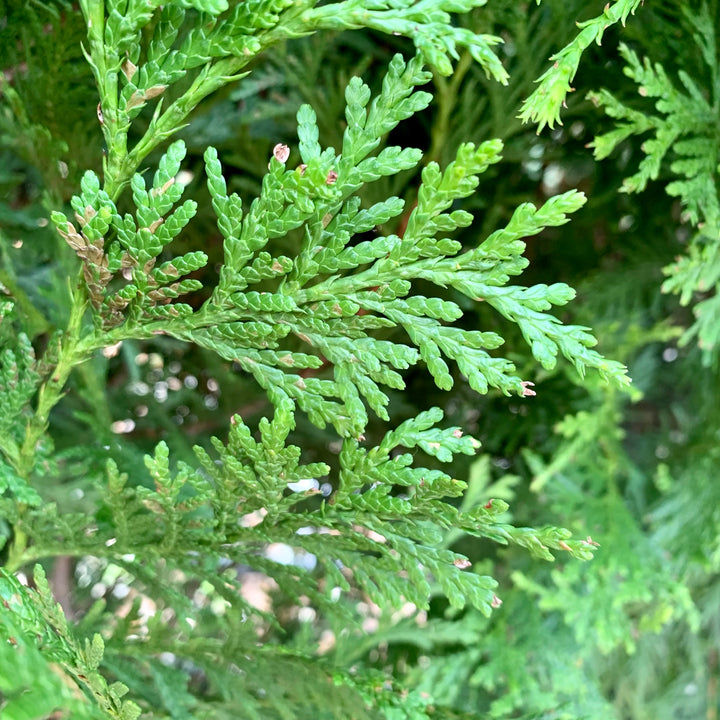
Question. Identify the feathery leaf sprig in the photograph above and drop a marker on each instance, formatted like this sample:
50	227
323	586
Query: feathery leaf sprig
335	291
543	106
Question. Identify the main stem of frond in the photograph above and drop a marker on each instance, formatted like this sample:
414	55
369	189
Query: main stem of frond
50	393
52	389
446	101
106	66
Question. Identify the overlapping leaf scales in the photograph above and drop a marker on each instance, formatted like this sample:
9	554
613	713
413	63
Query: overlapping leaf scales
121	252
398	100
165	32
19	378
309	133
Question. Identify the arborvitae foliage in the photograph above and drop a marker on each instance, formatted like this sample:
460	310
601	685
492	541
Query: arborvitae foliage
213	185
631	635
683	138
324	320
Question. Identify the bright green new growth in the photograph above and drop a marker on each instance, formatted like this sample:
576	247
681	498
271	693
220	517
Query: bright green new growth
334	293
544	105
326	330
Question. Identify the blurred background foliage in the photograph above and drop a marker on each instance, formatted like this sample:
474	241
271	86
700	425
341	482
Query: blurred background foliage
635	634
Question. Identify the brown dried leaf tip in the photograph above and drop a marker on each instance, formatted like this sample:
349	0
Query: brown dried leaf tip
128	68
281	153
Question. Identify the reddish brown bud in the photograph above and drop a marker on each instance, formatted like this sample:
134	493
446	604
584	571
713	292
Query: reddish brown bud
281	153
526	385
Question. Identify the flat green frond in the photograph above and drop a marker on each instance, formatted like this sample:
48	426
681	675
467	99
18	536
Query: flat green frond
335	291
427	23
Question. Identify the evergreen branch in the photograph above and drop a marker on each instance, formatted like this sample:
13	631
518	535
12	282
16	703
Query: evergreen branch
428	23
333	293
256	492
43	620
224	46
544	104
